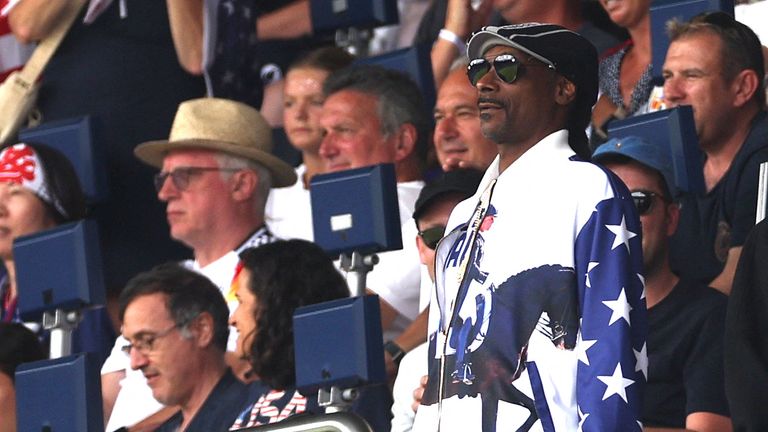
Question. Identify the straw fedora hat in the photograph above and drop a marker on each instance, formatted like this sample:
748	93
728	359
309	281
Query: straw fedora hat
221	125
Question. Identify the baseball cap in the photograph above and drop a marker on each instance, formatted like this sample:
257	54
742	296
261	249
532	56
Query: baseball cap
573	56
644	152
461	181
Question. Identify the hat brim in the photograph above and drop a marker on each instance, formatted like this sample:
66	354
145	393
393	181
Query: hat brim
483	40
153	152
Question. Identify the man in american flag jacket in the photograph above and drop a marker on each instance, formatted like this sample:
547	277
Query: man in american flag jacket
537	319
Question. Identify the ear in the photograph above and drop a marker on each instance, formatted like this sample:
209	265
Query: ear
673	217
243	184
405	143
422	248
565	91
202	328
744	86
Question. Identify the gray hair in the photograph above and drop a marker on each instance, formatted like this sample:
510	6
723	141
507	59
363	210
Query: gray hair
399	99
231	161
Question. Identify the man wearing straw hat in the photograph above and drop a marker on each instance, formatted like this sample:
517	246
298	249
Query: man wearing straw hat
216	172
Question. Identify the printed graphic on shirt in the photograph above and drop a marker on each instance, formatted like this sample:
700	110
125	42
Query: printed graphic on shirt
563	344
272	407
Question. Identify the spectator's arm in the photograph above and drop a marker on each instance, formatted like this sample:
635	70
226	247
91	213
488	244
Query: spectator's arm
708	422
291	21
7	404
461	20
110	387
32	20
410	338
272	103
388	313
724	281
700	422
186	20
416	333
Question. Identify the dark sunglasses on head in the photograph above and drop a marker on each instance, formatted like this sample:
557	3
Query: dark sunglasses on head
431	236
644	201
507	68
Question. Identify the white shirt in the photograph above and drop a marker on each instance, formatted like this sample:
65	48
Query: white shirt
288	213
135	402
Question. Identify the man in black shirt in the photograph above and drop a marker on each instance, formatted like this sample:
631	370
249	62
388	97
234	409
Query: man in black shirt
685	319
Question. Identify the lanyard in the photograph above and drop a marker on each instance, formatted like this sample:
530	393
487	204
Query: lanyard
473	229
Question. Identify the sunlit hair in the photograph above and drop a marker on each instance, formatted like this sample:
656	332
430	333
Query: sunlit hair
328	58
399	99
230	161
741	48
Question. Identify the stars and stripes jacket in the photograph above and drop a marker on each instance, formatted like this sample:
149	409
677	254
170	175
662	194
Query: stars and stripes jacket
537	320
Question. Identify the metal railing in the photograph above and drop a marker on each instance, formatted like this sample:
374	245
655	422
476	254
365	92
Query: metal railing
334	422
762	193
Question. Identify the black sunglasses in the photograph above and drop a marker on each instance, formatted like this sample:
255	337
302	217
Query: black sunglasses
431	236
644	201
507	68
181	176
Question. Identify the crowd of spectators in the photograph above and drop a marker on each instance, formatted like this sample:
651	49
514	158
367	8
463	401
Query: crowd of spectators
207	234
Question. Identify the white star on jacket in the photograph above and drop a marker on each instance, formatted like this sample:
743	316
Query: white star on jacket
623	235
617	384
620	308
642	360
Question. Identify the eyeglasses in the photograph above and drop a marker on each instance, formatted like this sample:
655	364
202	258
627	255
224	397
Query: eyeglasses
146	344
644	201
507	68
181	176
431	236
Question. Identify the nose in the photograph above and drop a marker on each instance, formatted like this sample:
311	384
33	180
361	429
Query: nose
446	129
302	109
673	92
138	360
328	149
3	200
488	82
232	318
168	190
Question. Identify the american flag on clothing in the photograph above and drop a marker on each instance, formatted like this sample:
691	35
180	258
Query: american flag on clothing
611	374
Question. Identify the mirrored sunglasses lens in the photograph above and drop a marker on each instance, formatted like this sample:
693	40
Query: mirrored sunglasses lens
642	202
432	236
477	69
507	70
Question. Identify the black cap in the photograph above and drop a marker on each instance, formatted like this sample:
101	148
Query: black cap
463	182
573	56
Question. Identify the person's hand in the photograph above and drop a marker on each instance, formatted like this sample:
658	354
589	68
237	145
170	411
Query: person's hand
453	163
419	393
462	19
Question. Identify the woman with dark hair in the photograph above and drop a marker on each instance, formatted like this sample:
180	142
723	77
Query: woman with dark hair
17	345
276	279
288	213
39	190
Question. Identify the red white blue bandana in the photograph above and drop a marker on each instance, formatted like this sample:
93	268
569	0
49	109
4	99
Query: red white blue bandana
20	164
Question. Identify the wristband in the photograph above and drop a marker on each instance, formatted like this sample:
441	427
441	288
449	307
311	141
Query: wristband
395	351
451	37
